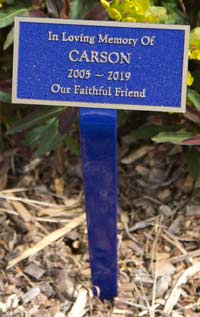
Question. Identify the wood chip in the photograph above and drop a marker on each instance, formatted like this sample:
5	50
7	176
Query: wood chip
3	176
163	268
59	186
20	208
193	210
176	291
142	224
59	314
121	312
165	210
64	283
47	289
163	285
176	225
163	257
32	165
136	154
165	195
34	271
79	307
157	176
31	294
190	313
188	184
48	240
11	303
142	170
127	287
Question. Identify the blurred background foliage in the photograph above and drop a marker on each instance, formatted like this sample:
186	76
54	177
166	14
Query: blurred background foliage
49	128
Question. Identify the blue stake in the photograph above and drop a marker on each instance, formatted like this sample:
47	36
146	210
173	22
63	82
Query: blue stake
98	129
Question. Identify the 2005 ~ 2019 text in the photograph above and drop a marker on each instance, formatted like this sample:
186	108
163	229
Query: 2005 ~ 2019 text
110	75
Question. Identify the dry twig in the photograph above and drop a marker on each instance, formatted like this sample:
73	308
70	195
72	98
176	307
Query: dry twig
48	240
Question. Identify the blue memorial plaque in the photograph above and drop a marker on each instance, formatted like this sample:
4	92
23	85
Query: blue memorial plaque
100	64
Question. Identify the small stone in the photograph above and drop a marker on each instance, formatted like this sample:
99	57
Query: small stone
34	271
31	294
164	195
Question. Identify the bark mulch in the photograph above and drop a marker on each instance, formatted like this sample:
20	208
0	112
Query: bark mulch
44	260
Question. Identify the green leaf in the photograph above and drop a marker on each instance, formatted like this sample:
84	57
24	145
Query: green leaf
7	15
193	160
5	97
34	135
122	117
72	145
172	137
196	83
148	131
88	6
35	118
10	2
9	39
145	132
50	139
197	183
175	16
194	97
76	8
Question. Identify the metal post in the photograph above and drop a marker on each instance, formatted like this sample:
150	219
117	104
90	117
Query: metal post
98	128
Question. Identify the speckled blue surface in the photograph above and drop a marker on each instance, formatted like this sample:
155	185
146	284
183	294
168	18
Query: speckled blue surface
156	68
98	129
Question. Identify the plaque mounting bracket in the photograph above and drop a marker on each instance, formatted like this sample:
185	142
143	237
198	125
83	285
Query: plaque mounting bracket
98	130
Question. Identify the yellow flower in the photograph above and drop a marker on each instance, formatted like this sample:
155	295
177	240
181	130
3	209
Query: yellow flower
135	11
190	79
1	3
105	4
156	14
129	19
194	50
115	14
194	54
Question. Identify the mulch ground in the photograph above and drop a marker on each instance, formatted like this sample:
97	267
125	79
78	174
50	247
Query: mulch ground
45	271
